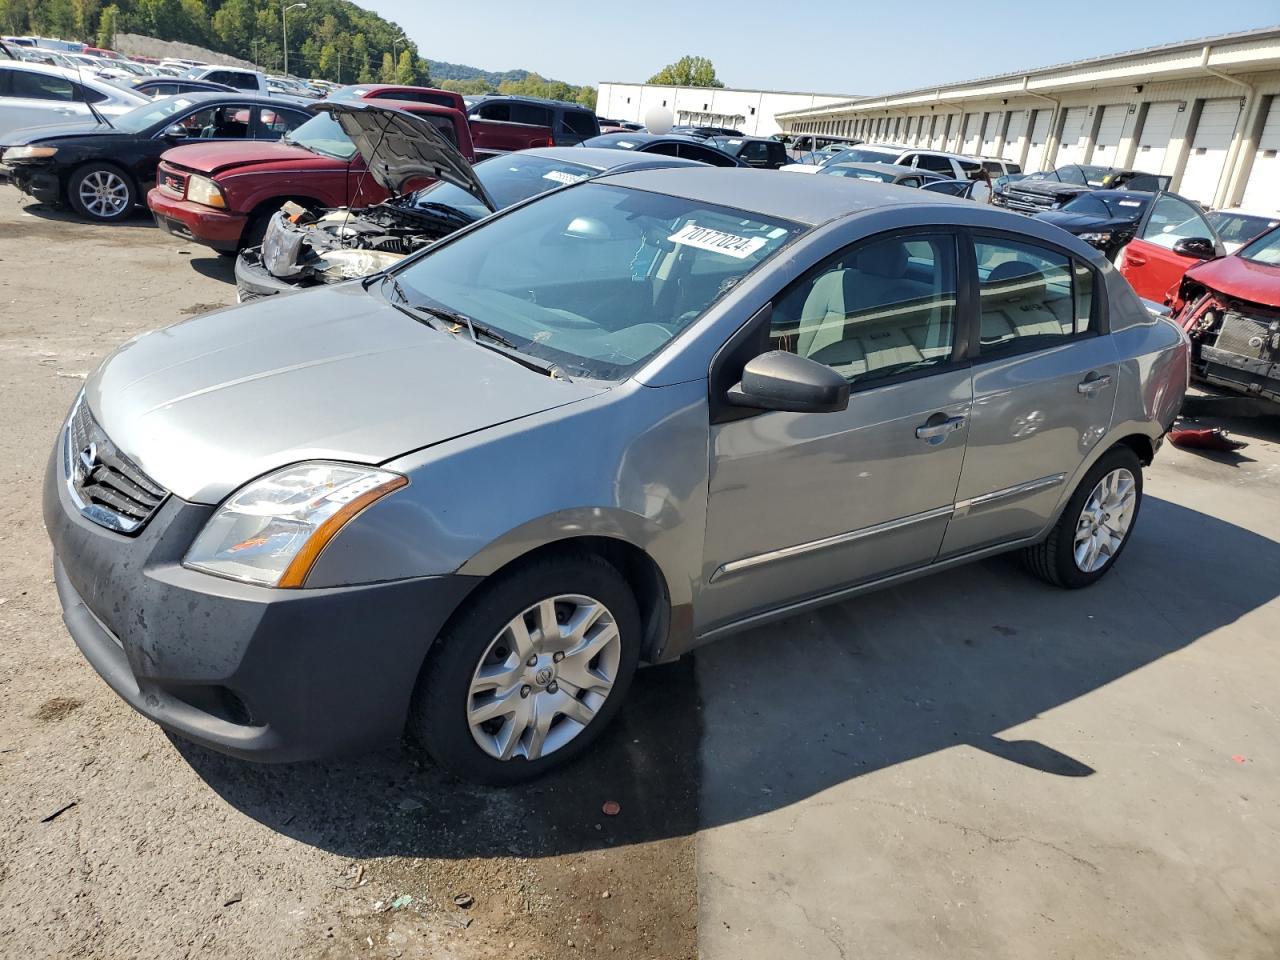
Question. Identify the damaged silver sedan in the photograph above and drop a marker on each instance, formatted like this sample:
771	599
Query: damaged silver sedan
303	248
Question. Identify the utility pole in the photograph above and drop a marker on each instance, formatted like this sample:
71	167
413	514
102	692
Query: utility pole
284	30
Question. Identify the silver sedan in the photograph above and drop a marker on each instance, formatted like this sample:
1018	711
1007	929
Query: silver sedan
467	497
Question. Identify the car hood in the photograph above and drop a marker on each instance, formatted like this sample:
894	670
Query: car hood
1240	278
336	373
51	131
399	148
1049	188
1082	222
214	158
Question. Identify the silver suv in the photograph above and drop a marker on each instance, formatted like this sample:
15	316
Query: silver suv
466	497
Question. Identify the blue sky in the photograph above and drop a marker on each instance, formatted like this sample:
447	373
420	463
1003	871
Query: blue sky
835	46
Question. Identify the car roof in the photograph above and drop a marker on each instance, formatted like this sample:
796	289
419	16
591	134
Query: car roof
539	100
605	159
807	200
240	96
894	168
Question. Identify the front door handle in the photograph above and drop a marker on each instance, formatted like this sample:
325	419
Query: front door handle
938	427
1133	260
1092	384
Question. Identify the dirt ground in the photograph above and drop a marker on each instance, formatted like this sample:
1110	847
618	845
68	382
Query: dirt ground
117	841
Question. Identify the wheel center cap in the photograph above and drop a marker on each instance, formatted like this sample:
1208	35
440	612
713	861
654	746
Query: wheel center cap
544	676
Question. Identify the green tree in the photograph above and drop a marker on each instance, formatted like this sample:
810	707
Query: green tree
107	26
85	13
688	72
404	69
388	72
422	72
56	18
360	59
234	26
475	87
587	97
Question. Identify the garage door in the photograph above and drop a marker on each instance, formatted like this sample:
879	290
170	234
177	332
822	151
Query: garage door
1110	130
920	132
1013	136
972	134
1153	144
994	122
941	131
1262	193
1208	151
1039	134
1070	145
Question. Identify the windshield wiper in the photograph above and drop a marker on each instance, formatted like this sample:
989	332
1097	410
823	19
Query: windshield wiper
497	341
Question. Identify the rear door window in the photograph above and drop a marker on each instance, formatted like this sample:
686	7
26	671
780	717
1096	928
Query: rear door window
1032	297
928	161
39	86
494	111
531	113
693	151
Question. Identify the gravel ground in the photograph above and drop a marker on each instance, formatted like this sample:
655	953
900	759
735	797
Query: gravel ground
118	841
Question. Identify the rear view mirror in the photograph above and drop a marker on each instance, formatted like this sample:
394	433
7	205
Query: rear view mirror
1198	248
778	380
175	131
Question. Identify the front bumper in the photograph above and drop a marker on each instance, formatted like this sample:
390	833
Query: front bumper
219	229
254	281
259	673
33	180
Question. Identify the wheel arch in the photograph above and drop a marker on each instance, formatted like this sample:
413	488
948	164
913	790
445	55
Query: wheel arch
1135	436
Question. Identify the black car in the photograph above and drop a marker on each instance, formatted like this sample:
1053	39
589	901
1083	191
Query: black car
1051	189
570	123
705	133
103	172
763	152
668	145
1106	219
172	86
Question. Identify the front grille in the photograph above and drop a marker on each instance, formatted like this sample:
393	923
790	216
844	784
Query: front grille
1253	337
173	182
1026	200
106	485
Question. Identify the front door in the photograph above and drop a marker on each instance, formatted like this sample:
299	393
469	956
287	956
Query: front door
1148	262
1044	389
801	505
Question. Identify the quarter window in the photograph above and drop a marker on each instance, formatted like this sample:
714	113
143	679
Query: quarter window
874	311
1031	298
1172	220
580	124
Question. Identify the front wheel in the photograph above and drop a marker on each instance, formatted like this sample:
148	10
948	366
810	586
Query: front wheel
1095	526
102	192
530	673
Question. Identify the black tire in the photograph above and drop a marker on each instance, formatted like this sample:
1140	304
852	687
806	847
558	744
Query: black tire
1053	559
438	714
253	233
106	172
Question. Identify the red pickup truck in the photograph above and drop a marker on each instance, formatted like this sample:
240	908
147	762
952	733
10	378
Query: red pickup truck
223	194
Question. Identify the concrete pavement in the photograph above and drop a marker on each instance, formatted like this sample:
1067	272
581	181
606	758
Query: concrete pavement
978	765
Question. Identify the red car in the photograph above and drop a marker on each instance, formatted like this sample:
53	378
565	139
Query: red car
1230	308
1175	235
223	194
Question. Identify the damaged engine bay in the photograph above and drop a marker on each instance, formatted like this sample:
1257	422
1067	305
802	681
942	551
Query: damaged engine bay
1235	343
309	250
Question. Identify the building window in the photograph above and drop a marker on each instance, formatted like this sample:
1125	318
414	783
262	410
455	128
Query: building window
664	103
753	111
628	99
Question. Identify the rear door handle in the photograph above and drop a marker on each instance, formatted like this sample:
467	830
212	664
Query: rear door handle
1092	384
938	427
1135	261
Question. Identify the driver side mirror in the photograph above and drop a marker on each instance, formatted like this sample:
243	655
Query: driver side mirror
1198	248
175	131
778	380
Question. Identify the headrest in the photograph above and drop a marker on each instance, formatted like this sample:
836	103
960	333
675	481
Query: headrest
887	259
1015	280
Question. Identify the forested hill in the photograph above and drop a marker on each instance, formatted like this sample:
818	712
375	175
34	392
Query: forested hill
330	39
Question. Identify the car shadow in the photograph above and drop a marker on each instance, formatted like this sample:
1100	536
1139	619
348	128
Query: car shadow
139	218
213	265
797	707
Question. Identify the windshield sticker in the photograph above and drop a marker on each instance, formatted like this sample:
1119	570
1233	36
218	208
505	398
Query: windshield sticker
624	144
563	176
1130	203
704	238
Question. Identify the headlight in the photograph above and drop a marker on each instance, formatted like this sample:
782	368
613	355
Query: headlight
29	153
203	190
1095	237
272	530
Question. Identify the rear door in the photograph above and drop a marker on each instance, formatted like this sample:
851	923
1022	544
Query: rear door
1044	389
28	99
1148	262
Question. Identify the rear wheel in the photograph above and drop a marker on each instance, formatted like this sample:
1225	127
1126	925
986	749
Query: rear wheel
530	673
1095	526
102	192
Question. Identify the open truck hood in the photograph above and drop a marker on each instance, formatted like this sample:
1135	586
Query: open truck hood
337	373
399	148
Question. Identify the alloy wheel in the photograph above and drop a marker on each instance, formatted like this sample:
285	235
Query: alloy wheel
104	194
1105	520
544	677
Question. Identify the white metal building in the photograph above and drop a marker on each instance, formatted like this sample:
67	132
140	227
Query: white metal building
751	111
1206	112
